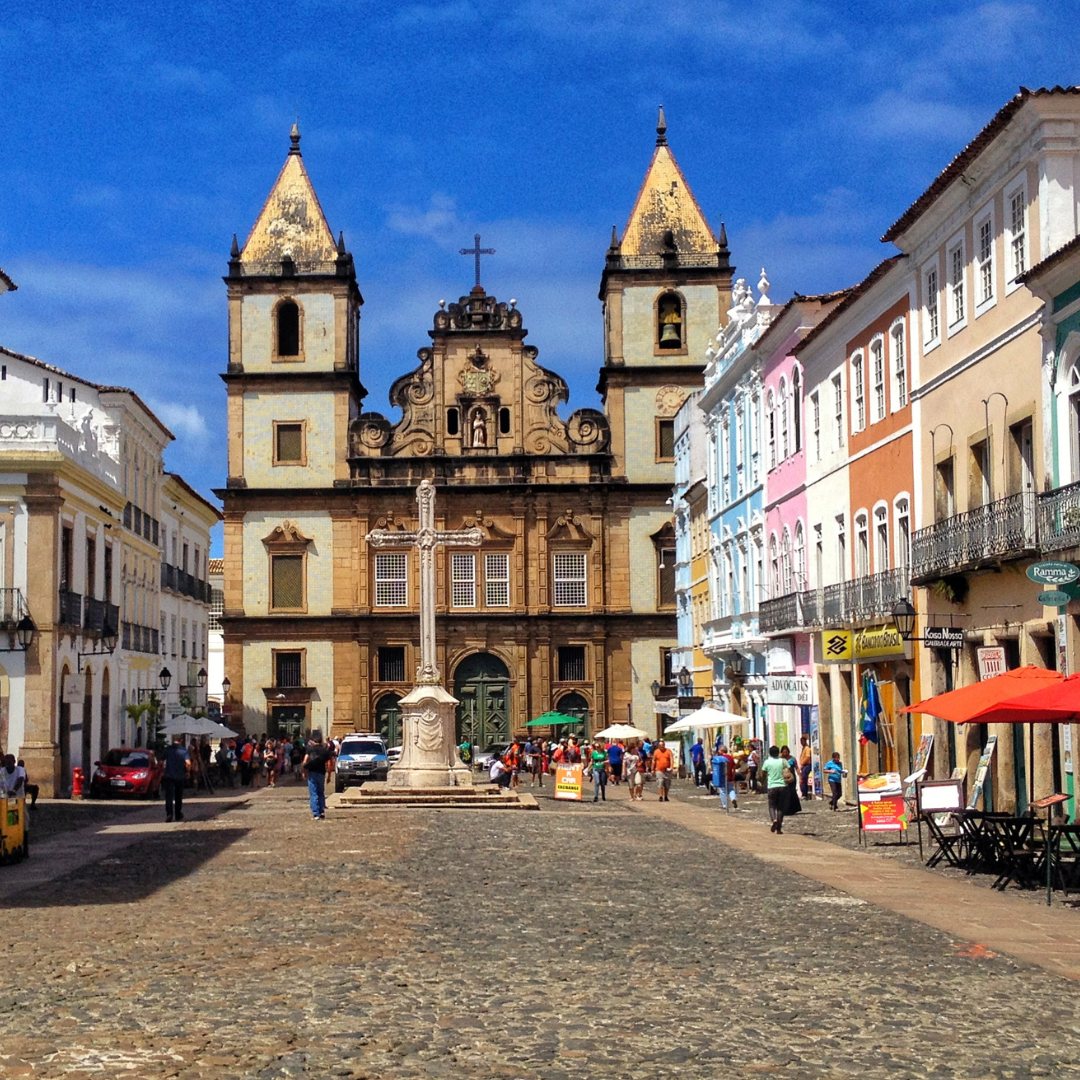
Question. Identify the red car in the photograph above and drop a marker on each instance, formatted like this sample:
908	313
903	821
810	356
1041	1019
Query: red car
127	770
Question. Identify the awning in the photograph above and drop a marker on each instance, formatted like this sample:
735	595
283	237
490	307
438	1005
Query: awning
556	719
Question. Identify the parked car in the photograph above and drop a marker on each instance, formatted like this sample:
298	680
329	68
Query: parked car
127	770
393	755
361	757
482	759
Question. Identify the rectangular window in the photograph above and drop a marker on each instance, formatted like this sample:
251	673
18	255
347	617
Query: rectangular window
932	327
877	373
666	580
1017	233
288	444
944	490
288	669
497	579
815	424
569	579
665	440
841	549
462	579
391	663
838	409
985	231
956	285
391	579
286	582
979	481
571	662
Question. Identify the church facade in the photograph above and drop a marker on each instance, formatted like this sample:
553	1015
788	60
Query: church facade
569	601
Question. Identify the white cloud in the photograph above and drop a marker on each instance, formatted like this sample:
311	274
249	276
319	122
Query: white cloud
184	421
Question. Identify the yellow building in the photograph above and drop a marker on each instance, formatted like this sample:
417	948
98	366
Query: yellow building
565	605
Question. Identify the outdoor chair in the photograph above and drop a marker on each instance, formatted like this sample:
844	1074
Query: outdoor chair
1065	857
947	834
1021	845
984	850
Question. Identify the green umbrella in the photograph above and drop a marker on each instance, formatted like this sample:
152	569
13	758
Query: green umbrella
554	719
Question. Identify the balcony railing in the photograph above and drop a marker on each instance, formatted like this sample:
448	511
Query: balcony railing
1002	529
70	609
874	596
1059	518
12	608
782	613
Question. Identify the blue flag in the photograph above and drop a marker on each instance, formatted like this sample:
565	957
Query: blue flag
871	708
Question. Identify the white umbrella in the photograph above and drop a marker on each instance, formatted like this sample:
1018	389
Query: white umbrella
186	724
706	717
621	731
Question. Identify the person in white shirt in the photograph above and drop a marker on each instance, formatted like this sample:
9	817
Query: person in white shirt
499	773
12	778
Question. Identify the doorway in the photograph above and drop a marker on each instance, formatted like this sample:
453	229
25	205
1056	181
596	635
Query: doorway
388	718
482	687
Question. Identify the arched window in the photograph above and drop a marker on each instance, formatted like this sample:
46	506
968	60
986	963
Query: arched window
799	557
770	419
796	411
858	393
774	568
669	321
1073	390
786	586
782	419
862	544
899	365
881	538
288	328
877	377
902	517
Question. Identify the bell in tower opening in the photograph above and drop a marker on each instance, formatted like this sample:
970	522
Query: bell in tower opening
669	319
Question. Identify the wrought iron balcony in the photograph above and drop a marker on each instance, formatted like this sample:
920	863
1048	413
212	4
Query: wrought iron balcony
12	608
70	609
99	615
781	613
873	596
1004	529
1059	518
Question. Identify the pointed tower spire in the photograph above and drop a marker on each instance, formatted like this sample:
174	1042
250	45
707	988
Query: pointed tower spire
234	250
661	128
341	242
294	139
614	245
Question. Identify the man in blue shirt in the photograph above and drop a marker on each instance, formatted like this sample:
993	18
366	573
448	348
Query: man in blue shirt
177	765
615	754
697	759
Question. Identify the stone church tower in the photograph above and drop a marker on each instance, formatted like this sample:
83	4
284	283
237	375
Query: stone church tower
569	602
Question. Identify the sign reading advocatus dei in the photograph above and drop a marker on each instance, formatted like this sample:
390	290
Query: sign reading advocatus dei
789	690
1053	573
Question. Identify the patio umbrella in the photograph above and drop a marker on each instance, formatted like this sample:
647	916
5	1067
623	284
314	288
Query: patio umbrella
706	717
621	731
186	724
554	719
963	705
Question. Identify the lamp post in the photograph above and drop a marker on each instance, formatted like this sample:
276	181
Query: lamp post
141	693
20	635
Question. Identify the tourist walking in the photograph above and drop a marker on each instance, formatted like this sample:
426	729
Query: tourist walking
806	761
317	761
834	773
177	767
723	777
697	759
772	770
663	762
270	760
615	755
791	783
635	774
598	760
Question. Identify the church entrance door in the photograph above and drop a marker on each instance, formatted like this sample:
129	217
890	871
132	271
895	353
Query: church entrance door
482	686
388	719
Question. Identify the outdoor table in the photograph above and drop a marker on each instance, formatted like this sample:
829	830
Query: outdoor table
984	850
1020	851
1063	850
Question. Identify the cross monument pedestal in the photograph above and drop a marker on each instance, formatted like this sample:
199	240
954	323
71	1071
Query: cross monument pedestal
429	757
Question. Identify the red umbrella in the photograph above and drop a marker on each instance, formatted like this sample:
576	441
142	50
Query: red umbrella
968	704
1056	702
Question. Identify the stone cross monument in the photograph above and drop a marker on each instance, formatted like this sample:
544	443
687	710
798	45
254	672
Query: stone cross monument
429	757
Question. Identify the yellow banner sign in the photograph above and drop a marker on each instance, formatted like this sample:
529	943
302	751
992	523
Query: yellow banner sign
873	643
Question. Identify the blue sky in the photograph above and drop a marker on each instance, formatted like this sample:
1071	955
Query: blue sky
138	139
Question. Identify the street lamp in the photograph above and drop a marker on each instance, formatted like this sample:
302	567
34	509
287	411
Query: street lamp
20	635
106	645
686	679
201	678
226	686
903	614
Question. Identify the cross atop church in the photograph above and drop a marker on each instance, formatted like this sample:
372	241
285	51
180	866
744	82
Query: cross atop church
427	538
476	251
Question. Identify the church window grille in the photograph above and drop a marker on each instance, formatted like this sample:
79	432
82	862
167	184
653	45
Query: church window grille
669	322
571	663
391	582
665	440
877	375
288	444
462	579
569	579
453	421
504	421
497	579
286	582
391	663
288	328
288	669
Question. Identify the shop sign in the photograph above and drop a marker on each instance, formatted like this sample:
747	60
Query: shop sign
944	637
882	806
72	692
873	643
789	690
568	781
1053	573
991	661
981	770
1053	597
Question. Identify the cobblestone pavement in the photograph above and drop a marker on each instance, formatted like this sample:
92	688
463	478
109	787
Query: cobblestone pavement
577	940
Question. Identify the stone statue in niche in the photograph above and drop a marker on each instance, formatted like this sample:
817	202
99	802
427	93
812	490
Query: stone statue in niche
479	428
